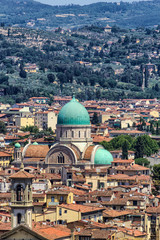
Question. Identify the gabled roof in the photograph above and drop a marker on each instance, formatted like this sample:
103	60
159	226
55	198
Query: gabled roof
114	213
22	174
24	228
81	208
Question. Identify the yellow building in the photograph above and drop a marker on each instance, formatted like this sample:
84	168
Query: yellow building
5	159
31	68
66	213
24	121
41	213
96	178
154	114
56	197
39	197
25	118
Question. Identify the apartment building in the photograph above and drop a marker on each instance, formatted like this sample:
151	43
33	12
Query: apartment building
44	120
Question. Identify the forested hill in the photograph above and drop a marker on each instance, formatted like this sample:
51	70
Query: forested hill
28	13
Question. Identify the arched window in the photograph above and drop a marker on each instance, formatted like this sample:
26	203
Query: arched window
19	216
19	193
60	158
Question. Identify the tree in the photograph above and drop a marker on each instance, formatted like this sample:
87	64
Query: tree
51	77
126	40
31	129
156	177
146	75
142	161
70	42
3	127
22	73
157	129
3	78
139	148
156	87
144	145
61	77
125	150
95	119
152	128
117	142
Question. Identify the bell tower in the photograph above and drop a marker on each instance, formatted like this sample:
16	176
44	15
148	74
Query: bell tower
21	198
17	152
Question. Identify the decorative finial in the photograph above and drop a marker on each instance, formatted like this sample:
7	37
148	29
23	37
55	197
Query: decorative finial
73	98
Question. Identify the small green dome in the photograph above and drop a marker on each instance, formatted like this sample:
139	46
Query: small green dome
103	157
35	143
73	113
17	145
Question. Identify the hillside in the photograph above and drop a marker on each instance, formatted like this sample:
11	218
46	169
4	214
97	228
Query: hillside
88	62
28	13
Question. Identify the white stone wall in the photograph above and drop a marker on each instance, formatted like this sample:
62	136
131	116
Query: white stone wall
73	133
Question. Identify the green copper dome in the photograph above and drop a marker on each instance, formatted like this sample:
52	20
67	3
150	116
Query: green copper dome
17	145
73	113
103	157
35	143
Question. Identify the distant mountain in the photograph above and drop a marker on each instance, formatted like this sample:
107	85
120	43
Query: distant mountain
29	13
77	2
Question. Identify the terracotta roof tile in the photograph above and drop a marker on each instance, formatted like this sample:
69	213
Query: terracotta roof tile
22	174
37	151
81	208
5	154
51	232
88	152
115	213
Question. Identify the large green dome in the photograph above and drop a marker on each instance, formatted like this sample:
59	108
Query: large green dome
73	113
103	157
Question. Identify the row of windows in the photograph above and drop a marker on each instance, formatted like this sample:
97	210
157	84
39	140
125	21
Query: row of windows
53	198
73	134
60	211
5	158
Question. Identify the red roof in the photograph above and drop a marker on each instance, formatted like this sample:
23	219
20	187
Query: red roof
22	174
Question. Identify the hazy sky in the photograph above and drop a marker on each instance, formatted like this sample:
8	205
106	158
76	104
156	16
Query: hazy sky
66	2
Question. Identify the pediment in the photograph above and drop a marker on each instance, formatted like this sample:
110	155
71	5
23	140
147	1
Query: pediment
22	232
